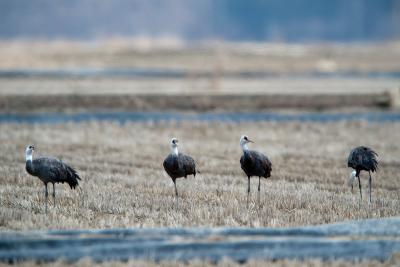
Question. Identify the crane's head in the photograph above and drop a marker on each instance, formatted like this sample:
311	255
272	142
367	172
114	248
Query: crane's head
30	148
29	152
351	179
174	142
244	140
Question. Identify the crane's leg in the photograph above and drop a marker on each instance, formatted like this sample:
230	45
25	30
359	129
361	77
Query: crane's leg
46	196
259	187
248	190
370	184
176	194
359	185
54	194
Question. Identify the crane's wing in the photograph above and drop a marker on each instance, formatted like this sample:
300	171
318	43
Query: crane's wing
56	171
364	158
188	164
264	162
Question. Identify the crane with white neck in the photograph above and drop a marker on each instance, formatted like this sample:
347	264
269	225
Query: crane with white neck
50	170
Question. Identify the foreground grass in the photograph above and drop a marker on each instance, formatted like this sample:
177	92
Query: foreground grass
124	184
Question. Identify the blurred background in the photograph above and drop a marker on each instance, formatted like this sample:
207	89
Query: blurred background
308	54
190	20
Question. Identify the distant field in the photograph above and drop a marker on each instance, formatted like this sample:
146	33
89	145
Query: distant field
124	184
195	94
216	57
192	85
212	76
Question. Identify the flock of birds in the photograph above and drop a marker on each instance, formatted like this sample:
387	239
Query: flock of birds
179	165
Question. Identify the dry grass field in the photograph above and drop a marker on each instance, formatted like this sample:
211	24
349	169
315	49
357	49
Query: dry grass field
124	184
123	181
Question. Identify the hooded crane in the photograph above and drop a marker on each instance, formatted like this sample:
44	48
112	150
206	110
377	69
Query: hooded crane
362	158
50	170
254	163
178	165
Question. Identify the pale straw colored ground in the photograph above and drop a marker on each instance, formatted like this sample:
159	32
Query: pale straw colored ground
217	57
124	184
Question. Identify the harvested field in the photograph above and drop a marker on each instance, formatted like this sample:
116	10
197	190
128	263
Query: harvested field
124	184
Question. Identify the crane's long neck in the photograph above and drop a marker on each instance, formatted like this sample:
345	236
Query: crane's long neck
29	165
175	150
28	156
244	147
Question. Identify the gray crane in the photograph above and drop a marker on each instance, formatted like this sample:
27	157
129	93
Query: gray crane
254	163
178	165
362	158
50	170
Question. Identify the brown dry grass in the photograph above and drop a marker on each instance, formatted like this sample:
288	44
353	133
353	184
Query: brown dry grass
124	184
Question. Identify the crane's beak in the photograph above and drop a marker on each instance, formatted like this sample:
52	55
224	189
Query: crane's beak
248	140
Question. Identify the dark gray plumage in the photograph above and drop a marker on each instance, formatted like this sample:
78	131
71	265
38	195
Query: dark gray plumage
254	163
178	165
50	170
363	158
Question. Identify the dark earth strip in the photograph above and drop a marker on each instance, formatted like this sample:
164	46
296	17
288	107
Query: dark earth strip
189	102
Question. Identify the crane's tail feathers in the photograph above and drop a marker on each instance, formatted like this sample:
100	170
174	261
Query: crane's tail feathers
374	160
73	177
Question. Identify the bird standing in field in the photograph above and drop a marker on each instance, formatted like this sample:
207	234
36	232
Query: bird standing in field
254	163
362	158
178	165
50	170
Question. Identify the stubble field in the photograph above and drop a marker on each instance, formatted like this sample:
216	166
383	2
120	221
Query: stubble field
123	181
124	184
